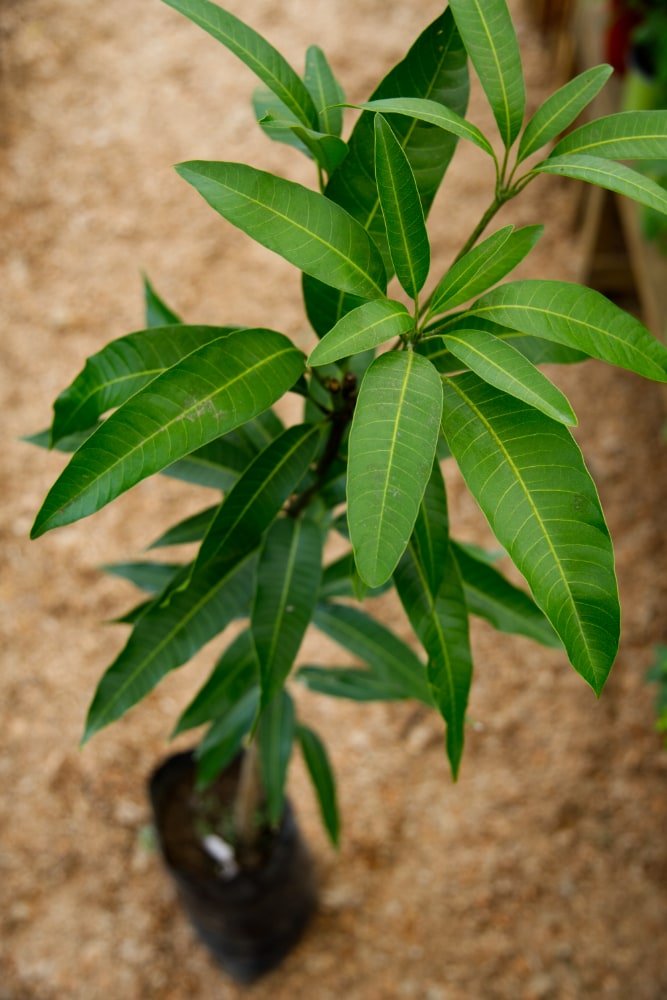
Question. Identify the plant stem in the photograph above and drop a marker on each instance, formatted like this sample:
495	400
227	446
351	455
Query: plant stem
247	807
340	420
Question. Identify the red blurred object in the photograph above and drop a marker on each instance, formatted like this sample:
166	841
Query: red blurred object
622	22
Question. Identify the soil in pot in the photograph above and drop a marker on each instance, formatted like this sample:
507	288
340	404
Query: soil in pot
249	918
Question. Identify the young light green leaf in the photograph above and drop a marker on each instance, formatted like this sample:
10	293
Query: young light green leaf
208	393
483	266
490	40
224	738
362	329
627	135
158	312
120	369
275	737
261	57
561	109
392	443
301	225
430	537
327	150
491	596
441	623
607	174
166	636
322	777
500	364
190	529
149	576
430	113
402	210
325	91
269	110
576	317
551	526
351	683
288	581
232	676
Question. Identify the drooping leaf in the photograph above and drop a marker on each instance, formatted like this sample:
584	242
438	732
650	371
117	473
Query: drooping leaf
610	175
322	777
500	364
258	54
224	738
232	676
430	113
363	328
190	529
149	576
325	91
327	150
275	737
441	622
491	596
430	537
304	227
288	580
483	266
576	317
389	658
391	448
168	635
402	210
627	135
210	392
561	109
527	474
490	40
158	312
351	683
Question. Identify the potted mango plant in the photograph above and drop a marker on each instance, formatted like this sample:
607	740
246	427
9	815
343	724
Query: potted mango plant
396	381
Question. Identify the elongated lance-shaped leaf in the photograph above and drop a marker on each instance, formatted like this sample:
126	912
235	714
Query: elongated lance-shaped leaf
327	150
168	635
257	496
430	537
527	474
430	113
224	738
275	737
392	443
152	577
561	109
190	529
157	311
258	54
388	657
490	40
627	135
402	210
322	777
441	623
500	364
217	465
233	675
576	317
351	683
325	91
326	305
269	110
610	175
301	225
363	328
491	596
211	391
338	580
483	266
288	581
123	367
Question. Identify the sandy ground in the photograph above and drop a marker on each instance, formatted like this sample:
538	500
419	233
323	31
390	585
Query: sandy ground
543	873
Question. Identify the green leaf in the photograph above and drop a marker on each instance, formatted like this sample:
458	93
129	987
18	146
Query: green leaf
327	150
149	576
338	580
351	683
483	266
322	777
402	210
500	364
210	392
301	225
540	352
288	581
158	312
490	40
217	465
430	537
561	109
363	328
441	622
491	596
627	135
257	496
389	659
325	91
607	174
132	616
326	305
190	529
276	736
168	635
392	443
123	367
430	113
261	57
232	676
269	110
576	317
223	739
527	474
